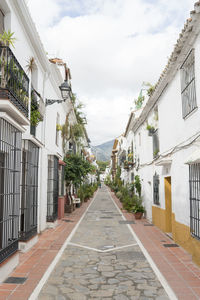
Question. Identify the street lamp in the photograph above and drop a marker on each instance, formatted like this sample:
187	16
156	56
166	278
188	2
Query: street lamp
65	93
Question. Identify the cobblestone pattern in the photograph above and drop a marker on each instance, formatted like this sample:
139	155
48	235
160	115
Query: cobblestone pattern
84	274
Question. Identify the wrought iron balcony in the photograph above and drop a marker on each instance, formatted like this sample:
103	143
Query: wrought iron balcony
14	83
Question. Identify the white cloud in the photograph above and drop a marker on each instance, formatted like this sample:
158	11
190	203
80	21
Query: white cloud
111	46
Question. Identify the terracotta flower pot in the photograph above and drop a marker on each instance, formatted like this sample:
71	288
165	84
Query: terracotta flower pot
138	215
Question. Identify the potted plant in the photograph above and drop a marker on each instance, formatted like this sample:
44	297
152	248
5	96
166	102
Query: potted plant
155	153
58	127
150	129
138	211
6	39
126	166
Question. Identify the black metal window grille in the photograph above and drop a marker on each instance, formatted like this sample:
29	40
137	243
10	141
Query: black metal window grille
52	188
14	83
122	157
156	183
155	144
61	180
132	177
29	190
194	182
72	147
188	91
10	168
1	22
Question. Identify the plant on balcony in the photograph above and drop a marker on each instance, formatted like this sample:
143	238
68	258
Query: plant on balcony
76	131
130	157
155	153
126	165
7	38
58	127
12	76
36	117
151	129
31	64
65	132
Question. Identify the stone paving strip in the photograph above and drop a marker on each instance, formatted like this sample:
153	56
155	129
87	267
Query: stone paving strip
102	261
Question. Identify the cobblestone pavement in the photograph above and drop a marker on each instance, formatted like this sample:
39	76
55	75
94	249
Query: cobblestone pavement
103	261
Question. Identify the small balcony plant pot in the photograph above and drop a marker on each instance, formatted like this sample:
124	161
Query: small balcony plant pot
138	215
151	131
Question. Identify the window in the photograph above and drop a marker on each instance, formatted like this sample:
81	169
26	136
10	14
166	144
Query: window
156	183
132	177
29	190
188	91
52	189
1	22
61	180
155	143
10	167
194	182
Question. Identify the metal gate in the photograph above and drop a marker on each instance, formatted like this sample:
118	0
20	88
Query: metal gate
10	167
194	181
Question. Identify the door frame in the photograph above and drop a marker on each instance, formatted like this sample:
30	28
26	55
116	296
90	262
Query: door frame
168	204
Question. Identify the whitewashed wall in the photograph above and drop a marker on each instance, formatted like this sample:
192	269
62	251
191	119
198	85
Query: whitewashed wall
173	130
46	82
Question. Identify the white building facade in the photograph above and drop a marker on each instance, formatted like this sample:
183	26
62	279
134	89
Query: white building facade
32	146
167	143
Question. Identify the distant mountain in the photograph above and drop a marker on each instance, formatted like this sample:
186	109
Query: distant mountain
103	151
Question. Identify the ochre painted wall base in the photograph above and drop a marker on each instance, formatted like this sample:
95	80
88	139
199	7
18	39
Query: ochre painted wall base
180	233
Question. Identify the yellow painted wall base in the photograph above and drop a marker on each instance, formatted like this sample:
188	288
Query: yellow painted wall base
180	233
158	217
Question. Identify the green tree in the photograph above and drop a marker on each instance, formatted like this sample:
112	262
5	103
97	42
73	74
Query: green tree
137	184
77	169
102	165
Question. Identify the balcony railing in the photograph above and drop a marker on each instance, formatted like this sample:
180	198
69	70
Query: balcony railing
14	83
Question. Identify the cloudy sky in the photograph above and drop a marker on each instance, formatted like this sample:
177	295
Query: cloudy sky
111	47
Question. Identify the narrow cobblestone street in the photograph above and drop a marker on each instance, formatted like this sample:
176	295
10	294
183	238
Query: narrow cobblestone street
103	260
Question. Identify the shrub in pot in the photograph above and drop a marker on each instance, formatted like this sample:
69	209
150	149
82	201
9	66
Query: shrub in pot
138	210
